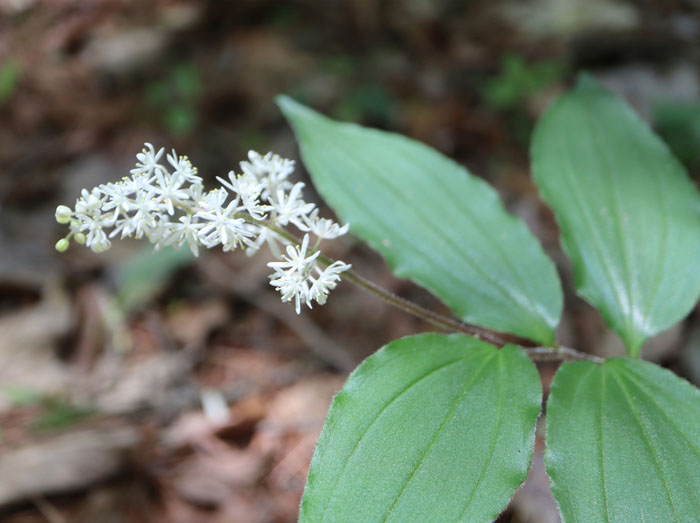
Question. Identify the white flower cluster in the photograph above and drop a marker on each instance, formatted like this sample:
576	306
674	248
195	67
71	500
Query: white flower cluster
167	205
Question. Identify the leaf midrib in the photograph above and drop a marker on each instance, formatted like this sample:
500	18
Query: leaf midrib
570	413
382	412
511	298
498	246
633	378
492	447
622	238
584	211
455	404
649	444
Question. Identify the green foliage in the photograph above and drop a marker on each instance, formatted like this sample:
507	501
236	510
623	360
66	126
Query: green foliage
628	212
23	396
55	412
372	102
437	428
517	81
176	97
429	428
623	443
679	124
433	222
59	414
144	275
341	65
9	80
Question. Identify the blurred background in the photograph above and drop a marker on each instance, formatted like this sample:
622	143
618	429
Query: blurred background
152	387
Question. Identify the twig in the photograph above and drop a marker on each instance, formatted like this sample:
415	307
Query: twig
434	318
559	354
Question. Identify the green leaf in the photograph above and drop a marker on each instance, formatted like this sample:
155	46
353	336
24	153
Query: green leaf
145	274
9	80
519	80
629	215
678	122
623	443
430	428
433	222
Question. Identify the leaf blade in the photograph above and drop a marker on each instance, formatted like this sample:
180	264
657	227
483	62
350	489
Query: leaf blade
413	434
617	451
433	222
629	215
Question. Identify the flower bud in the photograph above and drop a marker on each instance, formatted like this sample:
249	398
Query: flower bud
79	238
62	245
63	214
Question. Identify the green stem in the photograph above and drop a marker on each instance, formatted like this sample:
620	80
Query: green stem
438	320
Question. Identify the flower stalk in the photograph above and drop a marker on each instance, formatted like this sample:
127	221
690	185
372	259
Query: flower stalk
167	205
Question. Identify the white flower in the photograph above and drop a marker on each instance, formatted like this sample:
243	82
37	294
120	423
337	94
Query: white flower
290	207
126	226
170	207
270	165
168	192
271	170
235	233
147	160
266	236
89	202
89	223
146	212
118	198
186	231
327	281
293	285
183	168
223	228
248	189
291	276
296	259
324	228
137	183
97	240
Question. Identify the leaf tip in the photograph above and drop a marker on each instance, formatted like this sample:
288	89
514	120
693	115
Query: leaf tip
285	103
293	109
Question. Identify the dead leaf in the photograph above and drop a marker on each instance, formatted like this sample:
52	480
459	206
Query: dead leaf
66	463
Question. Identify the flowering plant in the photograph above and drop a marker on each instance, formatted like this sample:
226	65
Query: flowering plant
442	427
168	206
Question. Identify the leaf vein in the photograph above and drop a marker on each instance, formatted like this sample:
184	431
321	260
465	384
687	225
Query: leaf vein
584	211
492	448
379	415
447	417
505	291
648	441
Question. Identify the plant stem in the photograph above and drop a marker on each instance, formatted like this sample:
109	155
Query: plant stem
559	354
438	320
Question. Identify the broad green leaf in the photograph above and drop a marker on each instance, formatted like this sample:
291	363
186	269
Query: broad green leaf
430	428
629	215
623	443
433	222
